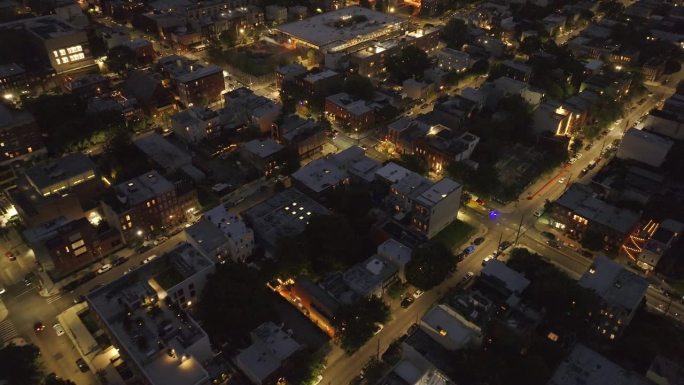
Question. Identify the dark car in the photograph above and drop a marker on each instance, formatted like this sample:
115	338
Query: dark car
586	253
79	299
548	235
553	244
119	261
406	302
504	245
82	366
478	241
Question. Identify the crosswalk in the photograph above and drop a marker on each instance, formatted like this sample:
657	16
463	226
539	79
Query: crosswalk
54	298
7	331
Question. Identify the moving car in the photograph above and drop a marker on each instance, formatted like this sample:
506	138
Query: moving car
58	329
105	268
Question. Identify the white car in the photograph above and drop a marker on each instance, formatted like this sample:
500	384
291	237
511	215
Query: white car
417	294
562	180
149	259
378	328
318	380
539	212
105	268
58	329
487	259
2	290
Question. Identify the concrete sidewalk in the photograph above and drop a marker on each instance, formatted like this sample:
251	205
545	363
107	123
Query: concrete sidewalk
3	311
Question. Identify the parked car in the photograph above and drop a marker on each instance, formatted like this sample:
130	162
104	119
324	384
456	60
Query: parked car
82	366
478	241
417	294
378	328
504	245
586	253
553	243
539	212
38	326
10	255
2	290
149	259
469	250
468	276
406	302
105	268
488	258
58	329
79	299
119	261
548	235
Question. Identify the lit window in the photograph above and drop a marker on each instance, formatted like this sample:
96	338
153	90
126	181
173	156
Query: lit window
65	60
78	56
62	52
55	53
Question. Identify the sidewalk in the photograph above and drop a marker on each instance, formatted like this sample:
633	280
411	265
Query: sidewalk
3	311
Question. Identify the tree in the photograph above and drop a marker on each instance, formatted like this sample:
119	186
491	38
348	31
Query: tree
455	33
229	37
355	324
54	380
380	6
410	62
19	365
230	312
364	3
359	86
430	265
530	45
120	58
610	8
592	240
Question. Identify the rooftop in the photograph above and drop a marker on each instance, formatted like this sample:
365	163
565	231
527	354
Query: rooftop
46	175
513	281
392	172
262	148
366	277
45	27
586	367
447	328
162	152
11	69
614	284
160	340
353	106
581	200
395	251
230	224
270	347
340	26
284	214
438	191
645	136
186	70
142	188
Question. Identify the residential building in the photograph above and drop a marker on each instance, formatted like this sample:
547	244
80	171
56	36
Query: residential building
450	329
504	280
453	111
664	371
288	73
63	46
222	235
644	147
13	78
195	124
347	111
653	69
665	123
567	117
195	83
397	253
507	87
147	204
20	136
325	174
163	153
265	155
453	60
305	136
371	277
578	212
587	367
68	173
244	107
284	214
432	206
621	292
417	89
663	238
317	303
516	70
63	247
263	361
87	86
275	14
149	92
163	348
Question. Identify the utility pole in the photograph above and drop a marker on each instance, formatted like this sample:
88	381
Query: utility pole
498	246
378	351
517	235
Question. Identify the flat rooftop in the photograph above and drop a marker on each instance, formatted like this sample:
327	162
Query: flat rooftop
162	152
581	200
284	214
514	281
340	26
65	168
141	188
365	277
438	191
614	284
586	367
148	337
262	148
45	27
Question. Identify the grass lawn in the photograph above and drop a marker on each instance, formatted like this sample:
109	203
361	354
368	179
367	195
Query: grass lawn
454	235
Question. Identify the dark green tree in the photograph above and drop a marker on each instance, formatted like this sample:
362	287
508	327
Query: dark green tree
356	324
430	265
414	163
54	380
410	62
380	5
230	312
120	59
359	86
455	33
364	3
19	365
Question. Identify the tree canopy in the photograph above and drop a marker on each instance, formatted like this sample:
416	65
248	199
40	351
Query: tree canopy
359	86
234	302
455	33
355	324
19	365
430	265
410	62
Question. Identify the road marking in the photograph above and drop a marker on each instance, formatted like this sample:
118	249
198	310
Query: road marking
54	298
7	330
